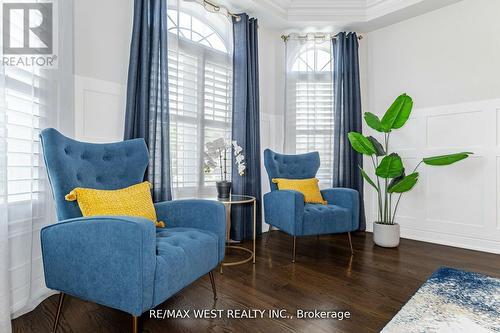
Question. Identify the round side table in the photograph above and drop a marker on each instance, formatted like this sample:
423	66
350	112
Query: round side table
235	199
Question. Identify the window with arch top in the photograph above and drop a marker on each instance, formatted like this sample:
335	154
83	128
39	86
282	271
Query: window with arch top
313	59
191	28
309	101
200	92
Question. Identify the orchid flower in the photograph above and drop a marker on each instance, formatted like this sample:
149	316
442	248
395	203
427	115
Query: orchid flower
216	150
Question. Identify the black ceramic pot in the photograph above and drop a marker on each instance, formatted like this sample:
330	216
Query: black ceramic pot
223	189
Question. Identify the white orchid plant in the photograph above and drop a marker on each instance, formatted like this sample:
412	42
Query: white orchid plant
218	150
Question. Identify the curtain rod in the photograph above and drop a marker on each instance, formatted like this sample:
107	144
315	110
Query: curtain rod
216	8
316	36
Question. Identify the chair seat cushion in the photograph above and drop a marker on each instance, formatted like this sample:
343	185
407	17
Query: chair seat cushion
182	256
325	219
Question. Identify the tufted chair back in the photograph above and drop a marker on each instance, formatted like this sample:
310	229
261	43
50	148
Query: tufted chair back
71	164
290	166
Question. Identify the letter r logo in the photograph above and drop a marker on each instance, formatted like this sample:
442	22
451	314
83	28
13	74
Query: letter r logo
27	28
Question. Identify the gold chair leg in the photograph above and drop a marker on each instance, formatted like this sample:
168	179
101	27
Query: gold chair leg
268	237
293	254
58	313
350	243
135	324
212	281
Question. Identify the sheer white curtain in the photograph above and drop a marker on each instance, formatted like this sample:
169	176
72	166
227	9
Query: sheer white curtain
200	91
309	100
31	98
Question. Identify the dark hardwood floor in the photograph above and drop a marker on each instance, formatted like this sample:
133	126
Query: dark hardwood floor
372	286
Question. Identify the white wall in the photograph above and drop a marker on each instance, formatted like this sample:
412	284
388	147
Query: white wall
102	39
271	79
102	44
447	60
443	57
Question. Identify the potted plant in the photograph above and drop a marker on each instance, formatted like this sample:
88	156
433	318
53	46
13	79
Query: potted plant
218	150
391	178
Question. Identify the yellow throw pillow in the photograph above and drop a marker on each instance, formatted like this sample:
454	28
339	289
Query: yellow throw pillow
308	187
134	201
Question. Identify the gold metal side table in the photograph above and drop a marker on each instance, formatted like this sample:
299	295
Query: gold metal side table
228	203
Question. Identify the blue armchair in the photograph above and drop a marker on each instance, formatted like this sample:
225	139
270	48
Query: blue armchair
122	262
286	210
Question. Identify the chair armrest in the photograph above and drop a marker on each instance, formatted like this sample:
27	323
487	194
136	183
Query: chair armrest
104	259
284	209
346	198
207	215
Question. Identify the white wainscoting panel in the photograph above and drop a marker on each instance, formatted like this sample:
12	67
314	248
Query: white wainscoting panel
457	205
271	136
99	110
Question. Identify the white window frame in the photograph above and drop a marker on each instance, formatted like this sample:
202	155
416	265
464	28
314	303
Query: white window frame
206	55
317	126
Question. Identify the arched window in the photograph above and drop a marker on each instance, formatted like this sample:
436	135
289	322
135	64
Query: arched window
189	27
200	92
313	59
309	102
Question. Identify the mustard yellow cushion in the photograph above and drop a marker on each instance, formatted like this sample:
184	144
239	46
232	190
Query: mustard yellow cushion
308	187
134	201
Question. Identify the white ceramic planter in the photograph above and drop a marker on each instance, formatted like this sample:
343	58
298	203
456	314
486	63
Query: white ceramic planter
386	235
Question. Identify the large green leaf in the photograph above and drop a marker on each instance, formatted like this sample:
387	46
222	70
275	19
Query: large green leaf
391	166
379	149
405	184
404	113
367	178
398	113
373	121
360	143
446	159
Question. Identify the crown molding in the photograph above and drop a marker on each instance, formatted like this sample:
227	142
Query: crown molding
280	6
379	8
339	13
321	10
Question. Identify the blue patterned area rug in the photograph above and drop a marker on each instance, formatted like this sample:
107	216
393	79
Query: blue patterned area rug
451	301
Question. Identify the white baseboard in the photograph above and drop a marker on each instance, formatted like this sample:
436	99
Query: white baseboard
460	241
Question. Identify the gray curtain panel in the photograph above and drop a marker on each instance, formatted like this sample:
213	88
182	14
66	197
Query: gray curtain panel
347	116
246	124
147	113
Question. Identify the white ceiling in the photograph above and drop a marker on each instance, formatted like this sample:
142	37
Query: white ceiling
329	15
